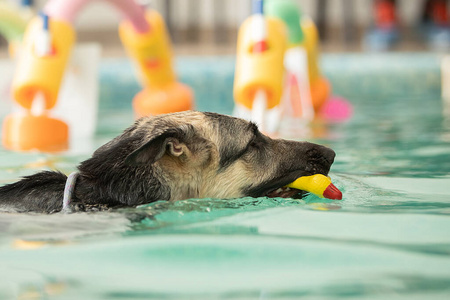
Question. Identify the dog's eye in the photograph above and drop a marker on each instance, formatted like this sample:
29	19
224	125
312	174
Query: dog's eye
253	144
257	140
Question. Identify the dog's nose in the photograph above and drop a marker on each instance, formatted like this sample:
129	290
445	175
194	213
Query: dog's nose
320	159
324	153
329	154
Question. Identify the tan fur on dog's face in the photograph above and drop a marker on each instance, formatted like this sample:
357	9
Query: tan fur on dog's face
195	173
208	155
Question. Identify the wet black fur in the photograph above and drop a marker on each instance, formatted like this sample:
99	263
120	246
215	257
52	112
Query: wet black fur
27	194
106	180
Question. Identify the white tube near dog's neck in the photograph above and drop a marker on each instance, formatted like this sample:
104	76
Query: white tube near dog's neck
68	191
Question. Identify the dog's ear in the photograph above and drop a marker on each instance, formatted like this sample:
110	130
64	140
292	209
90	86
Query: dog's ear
170	141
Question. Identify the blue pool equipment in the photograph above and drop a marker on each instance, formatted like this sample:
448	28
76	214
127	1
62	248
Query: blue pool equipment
438	37
381	39
384	34
436	25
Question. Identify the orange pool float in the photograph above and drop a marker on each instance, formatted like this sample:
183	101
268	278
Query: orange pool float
320	92
25	132
174	97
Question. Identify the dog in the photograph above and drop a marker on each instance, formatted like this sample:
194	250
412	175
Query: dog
173	157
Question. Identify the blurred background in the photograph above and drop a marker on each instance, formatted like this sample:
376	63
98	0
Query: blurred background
387	116
209	27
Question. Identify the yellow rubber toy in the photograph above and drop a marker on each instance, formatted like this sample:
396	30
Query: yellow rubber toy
320	185
42	73
152	53
151	50
260	71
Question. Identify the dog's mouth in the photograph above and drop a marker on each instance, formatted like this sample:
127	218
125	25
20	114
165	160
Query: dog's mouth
277	188
286	192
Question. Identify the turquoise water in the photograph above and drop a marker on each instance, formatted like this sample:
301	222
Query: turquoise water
389	238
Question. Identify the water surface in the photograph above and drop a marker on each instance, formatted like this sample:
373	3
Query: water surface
387	239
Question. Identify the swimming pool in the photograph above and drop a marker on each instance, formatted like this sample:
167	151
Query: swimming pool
388	239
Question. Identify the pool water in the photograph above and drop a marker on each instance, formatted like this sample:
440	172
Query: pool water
388	238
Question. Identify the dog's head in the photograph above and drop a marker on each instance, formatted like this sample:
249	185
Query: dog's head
207	155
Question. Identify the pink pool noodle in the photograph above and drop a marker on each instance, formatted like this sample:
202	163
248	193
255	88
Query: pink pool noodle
336	109
68	10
